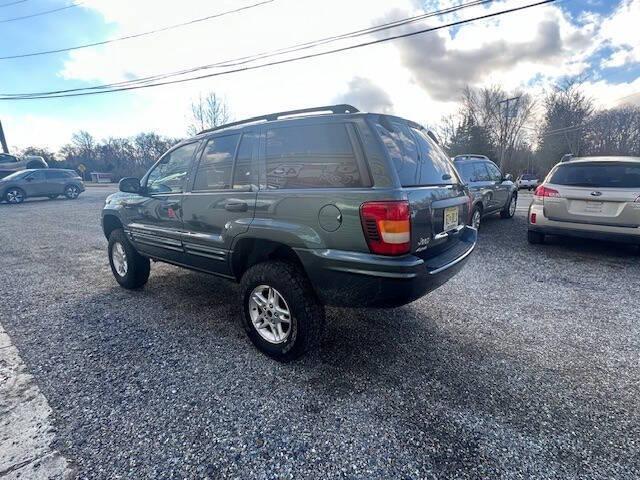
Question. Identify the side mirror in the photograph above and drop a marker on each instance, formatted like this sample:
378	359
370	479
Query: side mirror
130	185
508	177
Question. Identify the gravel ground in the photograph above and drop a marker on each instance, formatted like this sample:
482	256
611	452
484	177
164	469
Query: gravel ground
526	365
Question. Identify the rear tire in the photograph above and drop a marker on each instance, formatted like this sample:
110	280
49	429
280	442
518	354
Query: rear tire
262	320
130	269
535	238
510	208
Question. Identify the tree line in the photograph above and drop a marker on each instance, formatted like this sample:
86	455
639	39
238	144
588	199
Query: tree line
518	131
526	134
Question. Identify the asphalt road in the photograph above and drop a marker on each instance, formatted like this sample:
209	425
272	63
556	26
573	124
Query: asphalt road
526	365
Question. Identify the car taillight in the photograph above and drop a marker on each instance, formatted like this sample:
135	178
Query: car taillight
387	227
533	218
543	191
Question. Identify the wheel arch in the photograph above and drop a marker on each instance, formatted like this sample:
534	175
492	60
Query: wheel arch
249	251
109	224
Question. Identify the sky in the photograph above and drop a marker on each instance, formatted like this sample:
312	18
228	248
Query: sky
418	77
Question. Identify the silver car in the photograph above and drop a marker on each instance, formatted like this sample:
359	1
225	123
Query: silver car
589	197
11	163
49	182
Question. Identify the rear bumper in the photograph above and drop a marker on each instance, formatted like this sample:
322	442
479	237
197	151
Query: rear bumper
355	279
581	230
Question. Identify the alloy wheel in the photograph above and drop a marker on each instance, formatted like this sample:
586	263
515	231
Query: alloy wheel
119	257
72	192
270	314
512	206
476	219
15	196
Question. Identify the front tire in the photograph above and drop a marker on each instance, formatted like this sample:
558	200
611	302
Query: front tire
535	238
15	196
281	313
130	269
510	209
71	192
476	218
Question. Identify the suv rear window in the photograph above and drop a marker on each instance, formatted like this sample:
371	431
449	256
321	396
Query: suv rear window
597	175
529	176
311	156
418	160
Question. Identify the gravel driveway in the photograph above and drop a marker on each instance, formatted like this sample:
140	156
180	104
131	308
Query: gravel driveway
526	365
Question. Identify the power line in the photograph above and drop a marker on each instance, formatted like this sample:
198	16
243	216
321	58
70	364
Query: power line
269	54
279	62
24	17
137	35
12	3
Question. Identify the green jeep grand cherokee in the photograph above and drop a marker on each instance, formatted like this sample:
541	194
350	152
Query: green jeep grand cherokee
314	207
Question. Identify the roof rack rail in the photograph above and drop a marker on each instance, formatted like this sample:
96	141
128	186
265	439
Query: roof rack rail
342	108
567	157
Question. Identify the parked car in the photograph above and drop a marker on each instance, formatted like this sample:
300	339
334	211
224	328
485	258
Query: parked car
345	208
527	180
589	197
491	191
11	163
50	182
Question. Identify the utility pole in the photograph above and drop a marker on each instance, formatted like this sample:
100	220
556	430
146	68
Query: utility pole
511	111
3	141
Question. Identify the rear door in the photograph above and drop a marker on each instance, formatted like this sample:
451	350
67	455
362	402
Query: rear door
222	200
56	180
598	193
437	197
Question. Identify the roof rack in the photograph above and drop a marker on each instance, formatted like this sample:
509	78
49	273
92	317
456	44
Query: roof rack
567	157
342	108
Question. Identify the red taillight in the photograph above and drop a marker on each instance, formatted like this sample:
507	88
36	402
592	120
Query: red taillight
533	218
543	191
387	227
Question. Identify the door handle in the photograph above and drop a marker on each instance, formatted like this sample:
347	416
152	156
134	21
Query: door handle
236	206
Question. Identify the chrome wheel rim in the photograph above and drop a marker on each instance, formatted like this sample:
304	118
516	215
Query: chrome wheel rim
512	206
72	192
15	196
270	314
119	257
475	221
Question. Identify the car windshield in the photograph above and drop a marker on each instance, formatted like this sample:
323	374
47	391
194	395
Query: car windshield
598	175
17	175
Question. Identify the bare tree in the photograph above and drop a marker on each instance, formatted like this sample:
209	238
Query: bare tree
502	115
207	112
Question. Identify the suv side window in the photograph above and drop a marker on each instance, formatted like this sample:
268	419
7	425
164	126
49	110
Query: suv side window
53	174
214	169
170	174
481	172
311	156
467	171
494	173
244	173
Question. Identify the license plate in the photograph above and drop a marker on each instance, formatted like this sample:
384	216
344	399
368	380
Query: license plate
593	207
450	218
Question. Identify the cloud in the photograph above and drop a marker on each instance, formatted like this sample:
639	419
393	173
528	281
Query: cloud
620	31
365	95
547	44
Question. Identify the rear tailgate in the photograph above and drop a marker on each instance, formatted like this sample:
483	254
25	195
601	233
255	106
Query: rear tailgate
438	201
437	214
610	207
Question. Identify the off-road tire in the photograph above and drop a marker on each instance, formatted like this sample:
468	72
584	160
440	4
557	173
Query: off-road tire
138	267
307	311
